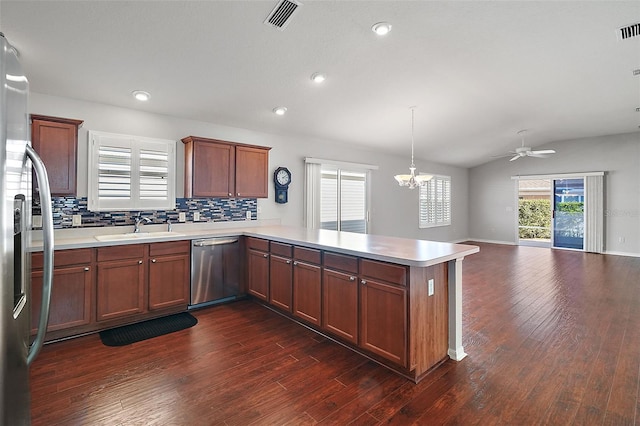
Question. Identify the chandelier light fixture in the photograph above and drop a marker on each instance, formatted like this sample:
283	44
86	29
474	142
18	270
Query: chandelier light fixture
412	180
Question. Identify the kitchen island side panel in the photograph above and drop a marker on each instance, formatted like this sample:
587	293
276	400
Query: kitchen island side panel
428	318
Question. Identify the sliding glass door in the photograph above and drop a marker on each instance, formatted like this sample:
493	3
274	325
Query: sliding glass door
534	212
568	213
551	212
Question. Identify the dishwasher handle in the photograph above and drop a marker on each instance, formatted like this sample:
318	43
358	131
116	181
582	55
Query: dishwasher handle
214	242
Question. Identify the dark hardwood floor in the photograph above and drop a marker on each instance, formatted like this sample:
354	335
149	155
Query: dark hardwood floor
553	337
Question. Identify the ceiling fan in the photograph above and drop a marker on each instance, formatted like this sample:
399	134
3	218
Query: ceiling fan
526	151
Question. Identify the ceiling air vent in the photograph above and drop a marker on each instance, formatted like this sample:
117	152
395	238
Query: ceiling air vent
629	31
281	15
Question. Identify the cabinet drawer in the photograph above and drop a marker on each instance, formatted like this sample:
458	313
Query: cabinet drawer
307	255
281	249
169	247
63	258
121	252
341	262
258	244
396	274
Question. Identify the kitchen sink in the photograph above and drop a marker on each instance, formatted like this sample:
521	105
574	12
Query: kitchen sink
137	235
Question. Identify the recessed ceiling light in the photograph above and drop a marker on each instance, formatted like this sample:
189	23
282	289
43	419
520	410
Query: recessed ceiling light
280	110
638	109
318	77
636	72
141	95
381	28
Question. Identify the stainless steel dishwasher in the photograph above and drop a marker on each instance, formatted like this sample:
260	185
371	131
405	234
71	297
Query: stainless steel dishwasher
215	271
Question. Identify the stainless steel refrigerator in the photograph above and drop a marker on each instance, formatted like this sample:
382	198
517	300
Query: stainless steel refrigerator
17	159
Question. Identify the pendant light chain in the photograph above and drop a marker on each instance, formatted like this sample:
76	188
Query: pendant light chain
412	126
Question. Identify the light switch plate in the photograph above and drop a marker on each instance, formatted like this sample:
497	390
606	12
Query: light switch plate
248	215
196	216
76	220
182	217
431	287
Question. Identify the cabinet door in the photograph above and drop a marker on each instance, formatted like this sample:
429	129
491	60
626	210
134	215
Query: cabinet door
168	281
258	273
251	172
70	298
340	304
213	170
383	320
56	143
307	292
120	289
280	282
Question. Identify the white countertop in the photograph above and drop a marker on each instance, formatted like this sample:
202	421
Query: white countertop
390	249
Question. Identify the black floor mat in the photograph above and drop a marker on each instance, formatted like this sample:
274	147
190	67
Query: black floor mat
147	329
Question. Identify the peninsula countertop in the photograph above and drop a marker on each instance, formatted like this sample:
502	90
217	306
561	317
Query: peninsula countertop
405	251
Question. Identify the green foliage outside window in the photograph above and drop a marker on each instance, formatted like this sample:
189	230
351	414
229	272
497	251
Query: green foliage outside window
534	219
571	207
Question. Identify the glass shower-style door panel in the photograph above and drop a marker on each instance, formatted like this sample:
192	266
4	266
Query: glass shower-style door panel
568	213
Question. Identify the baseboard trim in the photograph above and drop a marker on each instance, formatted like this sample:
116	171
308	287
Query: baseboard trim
480	240
621	253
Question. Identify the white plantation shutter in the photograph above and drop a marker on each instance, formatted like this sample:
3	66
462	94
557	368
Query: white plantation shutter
114	172
130	173
435	202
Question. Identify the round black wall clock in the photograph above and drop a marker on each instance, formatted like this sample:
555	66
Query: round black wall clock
282	179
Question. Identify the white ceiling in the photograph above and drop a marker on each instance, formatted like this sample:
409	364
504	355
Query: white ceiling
477	71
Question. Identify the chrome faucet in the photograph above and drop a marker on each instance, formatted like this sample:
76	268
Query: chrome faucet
169	225
137	221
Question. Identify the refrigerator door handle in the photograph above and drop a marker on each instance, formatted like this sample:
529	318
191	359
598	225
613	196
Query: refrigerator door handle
47	251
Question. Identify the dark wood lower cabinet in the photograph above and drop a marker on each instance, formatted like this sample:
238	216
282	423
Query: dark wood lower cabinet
169	275
258	273
281	282
120	289
98	288
340	304
383	320
307	292
70	296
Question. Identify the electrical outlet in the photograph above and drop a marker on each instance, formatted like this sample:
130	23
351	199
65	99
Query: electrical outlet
431	287
76	220
36	221
196	216
248	215
182	217
621	239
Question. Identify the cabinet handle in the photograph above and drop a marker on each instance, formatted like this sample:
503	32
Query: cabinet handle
230	194
295	263
288	262
363	282
238	194
265	255
352	278
153	261
86	269
139	262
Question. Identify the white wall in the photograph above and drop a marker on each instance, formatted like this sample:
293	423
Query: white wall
394	210
492	201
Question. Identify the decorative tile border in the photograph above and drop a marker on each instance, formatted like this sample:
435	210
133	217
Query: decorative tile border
210	209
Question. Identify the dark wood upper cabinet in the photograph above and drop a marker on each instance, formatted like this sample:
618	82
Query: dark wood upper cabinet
215	168
252	166
55	140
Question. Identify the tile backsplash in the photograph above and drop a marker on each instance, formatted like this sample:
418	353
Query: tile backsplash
210	209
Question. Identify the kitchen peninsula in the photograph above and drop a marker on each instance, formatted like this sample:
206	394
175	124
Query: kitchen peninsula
395	300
